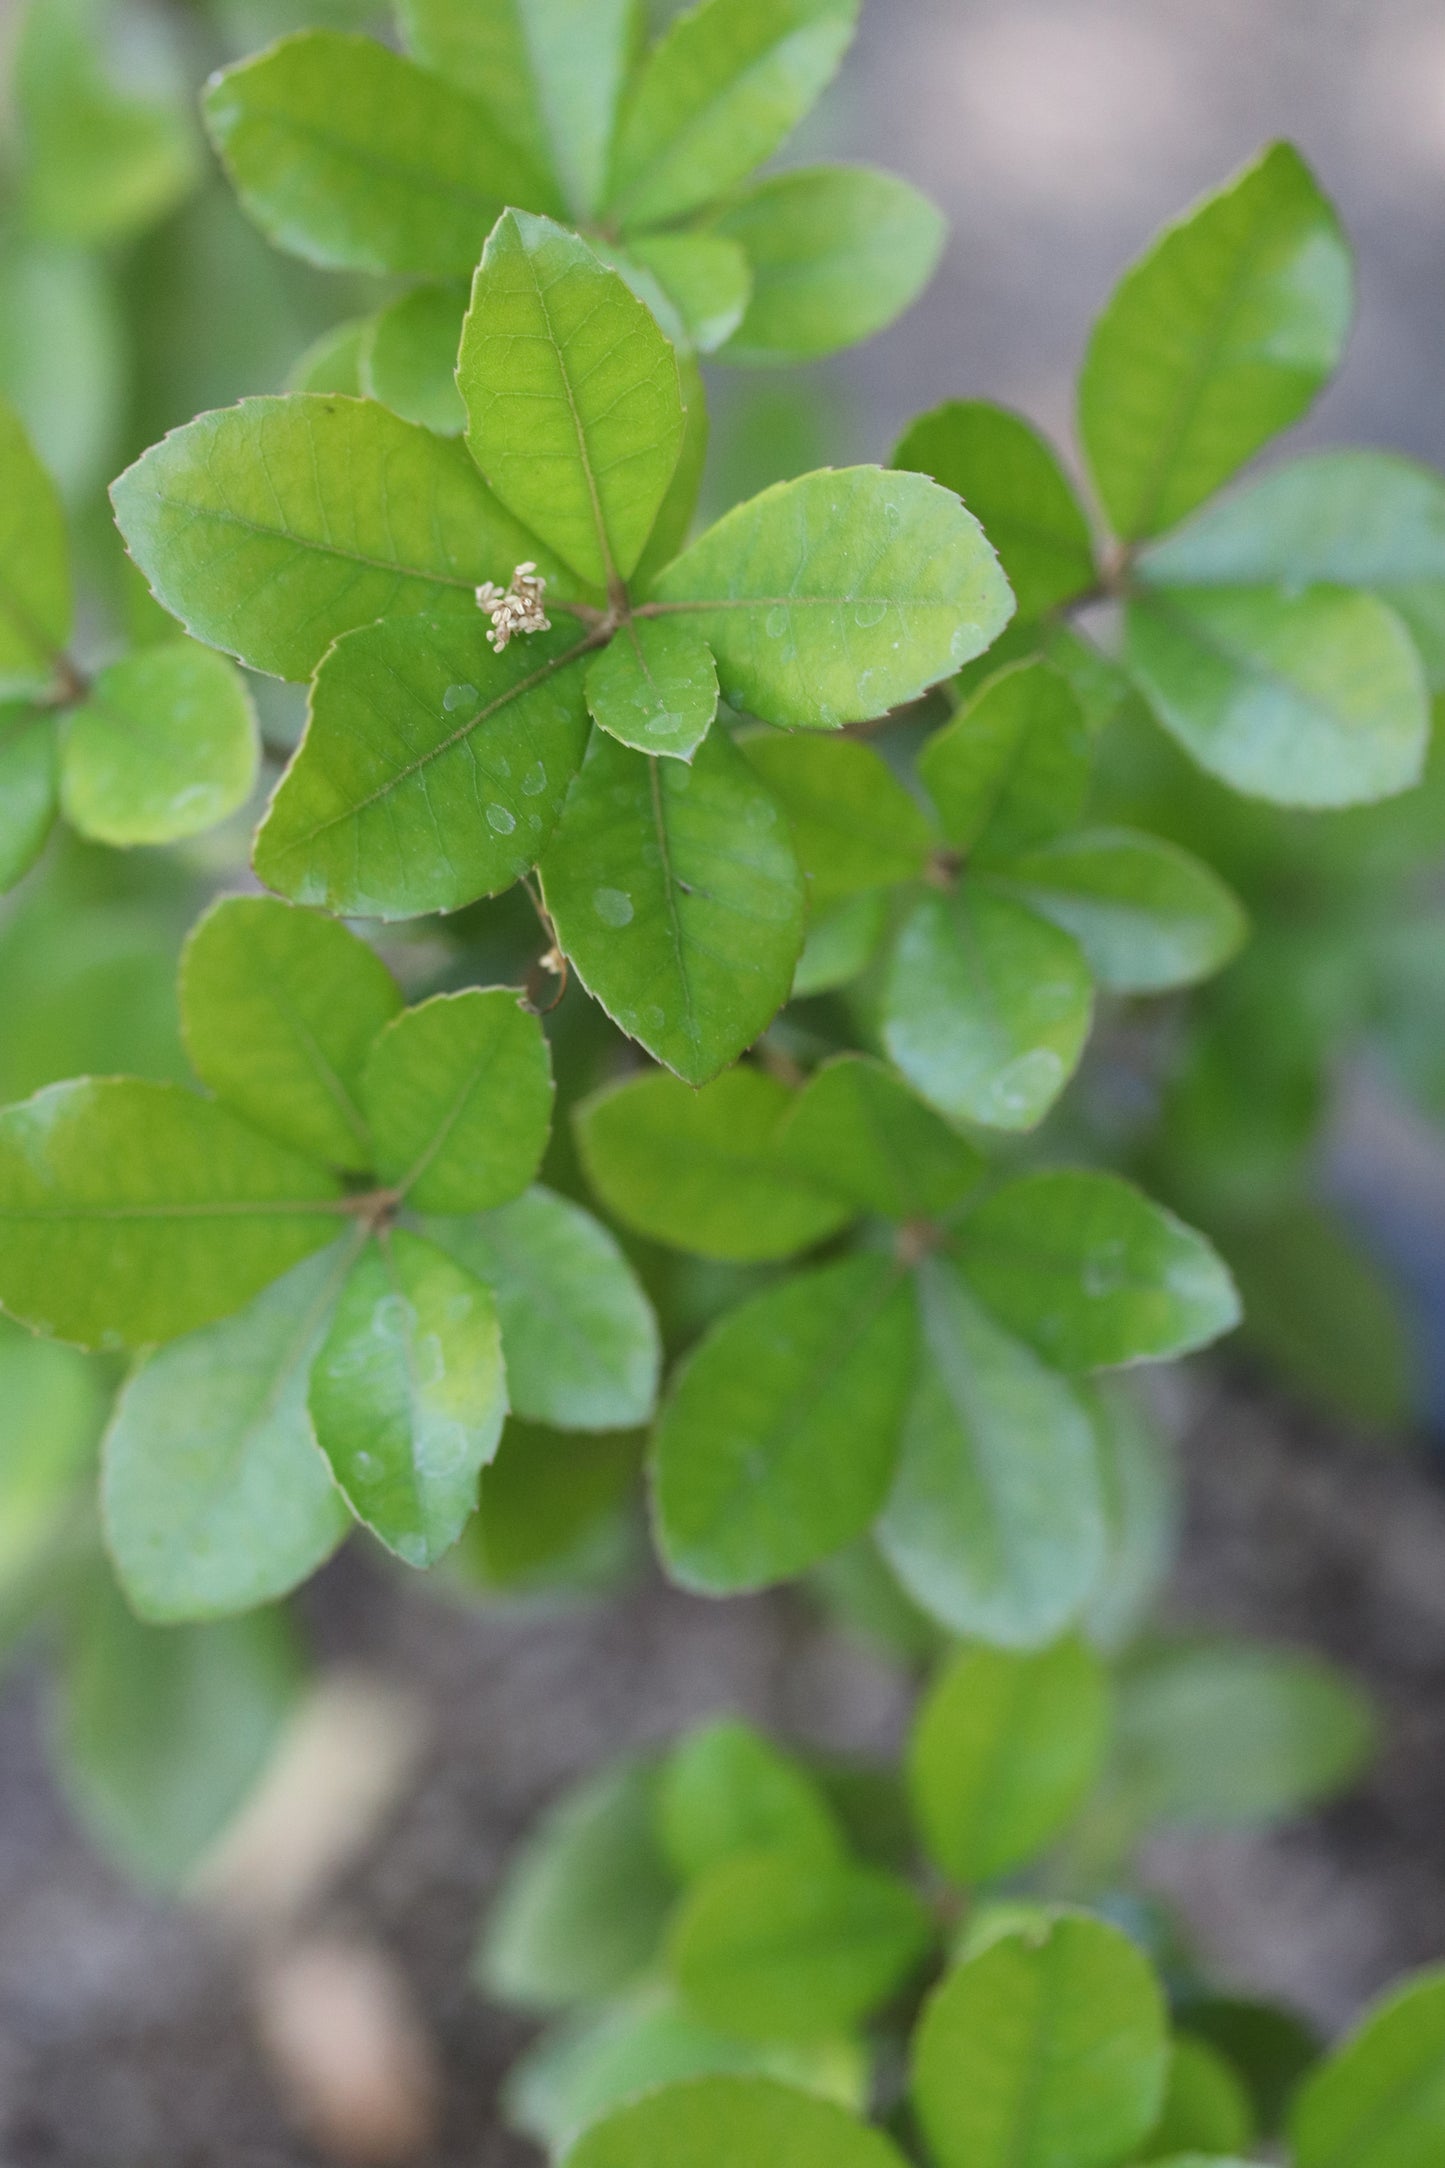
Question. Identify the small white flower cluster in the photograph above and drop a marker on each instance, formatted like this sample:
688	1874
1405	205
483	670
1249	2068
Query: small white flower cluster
520	609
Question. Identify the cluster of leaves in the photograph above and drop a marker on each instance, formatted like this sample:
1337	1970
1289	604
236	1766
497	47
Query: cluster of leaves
728	1911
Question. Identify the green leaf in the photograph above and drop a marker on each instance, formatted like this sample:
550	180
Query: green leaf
1339	519
674	521
699	280
214	1494
1141	1512
703	1170
280	1008
1379	2100
458	1096
987	1007
837	252
727	1790
676	895
552	1510
162	1732
1218	338
578	1332
29	788
854	825
1308	698
1010	480
432	771
98	165
994	1524
332	363
841	941
273	527
1147	915
164	745
721	2122
1093	1273
655	687
574	410
781	1945
35	598
356	159
855	1130
53	1413
408	358
778	1440
1205	2106
1225	1734
1042	2050
408	1394
583	1905
134	1212
583	2070
836	597
1013	767
718	93
1269	2047
64	357
1004	1752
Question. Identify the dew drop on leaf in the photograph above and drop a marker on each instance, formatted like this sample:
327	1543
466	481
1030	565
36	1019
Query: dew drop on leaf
457	696
613	906
499	818
868	614
534	782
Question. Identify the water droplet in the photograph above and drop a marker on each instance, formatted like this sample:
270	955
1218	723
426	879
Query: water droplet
499	818
392	1318
1028	1083
613	906
654	1017
534	782
776	623
868	614
893	514
429	1365
457	696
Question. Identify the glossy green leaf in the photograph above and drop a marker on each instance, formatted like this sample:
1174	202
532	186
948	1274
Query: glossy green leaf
1340	518
164	745
716	96
1011	481
574	410
855	1130
837	252
214	1494
1093	1273
1004	1752
1379	2100
53	1412
133	1212
778	1945
702	280
841	595
987	1007
674	521
408	1394
722	2122
332	363
578	1332
491	48
356	159
1147	915
280	1008
1218	338
1234	1734
408	358
676	895
582	1907
29	788
163	1731
35	598
63	352
854	825
778	1440
1046	2050
1206	2108
1142	1510
273	527
840	944
703	1170
654	687
1312	697
99	163
432	772
458	1097
995	1521
727	1790
555	1511
1013	767
1269	2046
